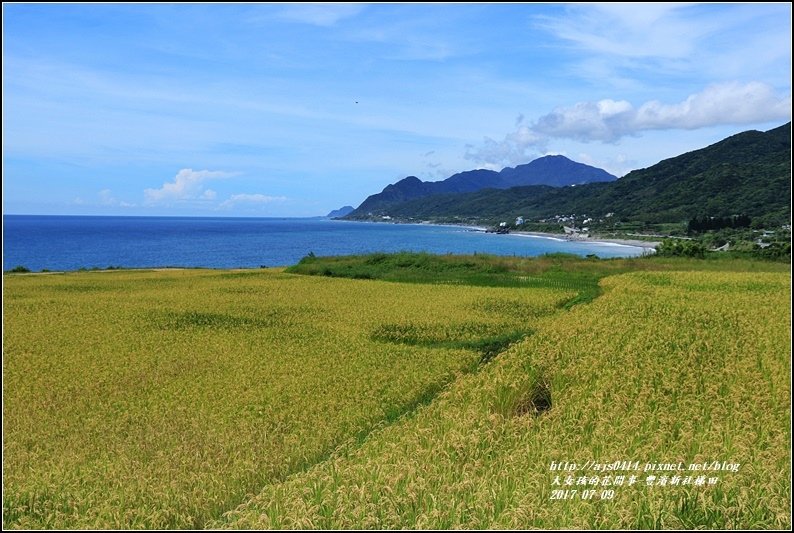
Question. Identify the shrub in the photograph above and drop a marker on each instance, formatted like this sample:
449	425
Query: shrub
681	248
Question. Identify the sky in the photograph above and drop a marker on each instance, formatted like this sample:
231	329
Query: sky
289	110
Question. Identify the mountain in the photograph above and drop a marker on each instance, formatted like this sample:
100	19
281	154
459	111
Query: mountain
554	170
342	211
748	173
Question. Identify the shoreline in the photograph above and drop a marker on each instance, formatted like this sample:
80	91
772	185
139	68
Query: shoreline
648	245
634	243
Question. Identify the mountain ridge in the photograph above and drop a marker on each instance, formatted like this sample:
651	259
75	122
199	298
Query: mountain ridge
342	211
554	170
747	173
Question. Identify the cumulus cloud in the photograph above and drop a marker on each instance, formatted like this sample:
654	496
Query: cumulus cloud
609	120
250	199
188	184
106	198
517	147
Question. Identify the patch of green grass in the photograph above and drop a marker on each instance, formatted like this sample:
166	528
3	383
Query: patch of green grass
194	319
480	338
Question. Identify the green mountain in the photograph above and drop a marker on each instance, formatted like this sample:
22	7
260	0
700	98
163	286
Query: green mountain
748	173
342	211
555	170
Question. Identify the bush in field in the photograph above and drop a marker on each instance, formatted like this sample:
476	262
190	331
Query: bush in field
680	248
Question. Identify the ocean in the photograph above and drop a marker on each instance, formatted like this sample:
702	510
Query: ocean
74	242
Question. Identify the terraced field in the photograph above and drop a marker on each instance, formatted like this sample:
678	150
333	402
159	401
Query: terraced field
261	399
664	368
163	399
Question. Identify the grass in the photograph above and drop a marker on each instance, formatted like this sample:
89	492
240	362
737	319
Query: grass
431	393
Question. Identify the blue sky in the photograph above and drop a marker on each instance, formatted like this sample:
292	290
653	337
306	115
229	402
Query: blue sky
297	109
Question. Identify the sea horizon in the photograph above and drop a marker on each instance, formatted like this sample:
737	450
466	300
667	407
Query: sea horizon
74	242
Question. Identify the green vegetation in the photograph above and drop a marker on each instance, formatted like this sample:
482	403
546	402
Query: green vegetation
747	174
433	392
553	270
674	247
19	269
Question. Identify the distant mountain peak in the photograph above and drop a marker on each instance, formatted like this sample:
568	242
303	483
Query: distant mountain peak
745	174
342	211
553	170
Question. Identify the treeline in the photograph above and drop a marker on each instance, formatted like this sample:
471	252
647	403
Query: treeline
706	223
777	251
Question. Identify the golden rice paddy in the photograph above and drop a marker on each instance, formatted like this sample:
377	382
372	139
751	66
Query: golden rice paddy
260	399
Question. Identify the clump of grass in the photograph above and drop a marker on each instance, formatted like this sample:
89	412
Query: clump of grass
487	339
194	319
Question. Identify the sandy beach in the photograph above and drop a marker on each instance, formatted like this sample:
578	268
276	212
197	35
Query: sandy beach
559	236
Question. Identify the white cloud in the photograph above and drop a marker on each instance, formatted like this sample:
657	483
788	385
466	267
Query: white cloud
629	30
320	14
609	120
187	185
729	103
518	147
642	44
106	198
251	199
619	165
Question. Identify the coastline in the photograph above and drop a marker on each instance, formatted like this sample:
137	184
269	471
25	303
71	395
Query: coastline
633	243
649	245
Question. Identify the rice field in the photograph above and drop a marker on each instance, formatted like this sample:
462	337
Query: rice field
678	381
659	398
165	399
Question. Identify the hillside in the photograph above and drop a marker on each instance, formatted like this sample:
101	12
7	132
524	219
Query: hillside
554	170
342	211
748	173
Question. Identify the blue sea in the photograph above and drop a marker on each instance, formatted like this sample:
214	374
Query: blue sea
74	242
